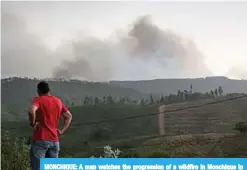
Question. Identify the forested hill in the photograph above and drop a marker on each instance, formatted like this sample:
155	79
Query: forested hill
167	86
18	92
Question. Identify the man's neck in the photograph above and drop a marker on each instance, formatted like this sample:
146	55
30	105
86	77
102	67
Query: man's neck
46	94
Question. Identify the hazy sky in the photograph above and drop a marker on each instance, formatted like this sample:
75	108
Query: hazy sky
218	30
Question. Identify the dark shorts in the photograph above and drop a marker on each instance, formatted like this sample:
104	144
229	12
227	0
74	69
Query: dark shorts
42	149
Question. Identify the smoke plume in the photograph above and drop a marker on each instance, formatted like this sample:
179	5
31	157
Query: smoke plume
143	44
237	72
23	54
90	60
145	51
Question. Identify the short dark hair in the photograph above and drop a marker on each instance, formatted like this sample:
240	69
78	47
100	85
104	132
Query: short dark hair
43	87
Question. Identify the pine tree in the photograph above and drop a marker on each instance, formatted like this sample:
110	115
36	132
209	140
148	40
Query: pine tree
190	88
104	100
86	101
122	100
185	94
96	100
142	102
162	99
179	93
110	100
151	99
216	92
220	90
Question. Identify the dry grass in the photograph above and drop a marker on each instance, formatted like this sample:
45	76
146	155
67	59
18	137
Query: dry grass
202	132
199	145
216	118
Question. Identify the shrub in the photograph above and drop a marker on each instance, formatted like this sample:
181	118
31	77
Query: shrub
130	154
160	154
109	153
241	127
138	154
14	153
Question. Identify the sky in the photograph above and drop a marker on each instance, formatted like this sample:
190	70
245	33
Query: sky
124	40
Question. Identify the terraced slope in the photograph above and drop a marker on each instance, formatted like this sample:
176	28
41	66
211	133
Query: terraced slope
217	118
199	145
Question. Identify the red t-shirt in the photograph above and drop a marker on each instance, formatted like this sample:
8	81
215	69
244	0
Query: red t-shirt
48	114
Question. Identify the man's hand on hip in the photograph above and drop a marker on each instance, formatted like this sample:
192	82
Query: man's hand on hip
59	132
36	126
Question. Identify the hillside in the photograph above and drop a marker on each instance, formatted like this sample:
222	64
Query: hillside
200	145
167	86
97	133
133	133
218	118
202	132
16	93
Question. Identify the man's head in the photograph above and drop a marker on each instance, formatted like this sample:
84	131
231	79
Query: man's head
43	88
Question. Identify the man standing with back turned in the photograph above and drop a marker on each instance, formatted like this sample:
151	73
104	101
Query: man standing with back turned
44	115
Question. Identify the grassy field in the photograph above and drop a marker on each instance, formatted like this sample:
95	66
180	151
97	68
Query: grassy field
202	132
215	121
200	145
15	153
215	118
190	145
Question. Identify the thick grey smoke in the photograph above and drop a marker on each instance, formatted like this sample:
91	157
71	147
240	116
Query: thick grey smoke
143	52
23	54
90	60
237	72
170	49
163	51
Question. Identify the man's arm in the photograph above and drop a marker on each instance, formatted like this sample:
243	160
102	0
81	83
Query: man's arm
32	111
67	116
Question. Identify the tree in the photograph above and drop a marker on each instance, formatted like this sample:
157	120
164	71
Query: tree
185	94
190	88
67	102
110	100
170	98
142	102
216	92
96	100
151	99
134	101
162	99
122	100
220	90
182	96
90	100
179	93
86	100
104	99
127	100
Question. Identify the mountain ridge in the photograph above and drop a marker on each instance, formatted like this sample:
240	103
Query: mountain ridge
16	89
167	86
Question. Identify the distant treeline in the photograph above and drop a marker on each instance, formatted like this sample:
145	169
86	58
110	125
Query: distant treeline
181	96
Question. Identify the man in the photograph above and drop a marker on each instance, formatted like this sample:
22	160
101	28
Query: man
44	115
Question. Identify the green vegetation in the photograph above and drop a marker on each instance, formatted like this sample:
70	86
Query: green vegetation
139	137
167	86
241	127
14	153
17	92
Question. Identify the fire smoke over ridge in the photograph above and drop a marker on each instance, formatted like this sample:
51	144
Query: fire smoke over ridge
144	52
